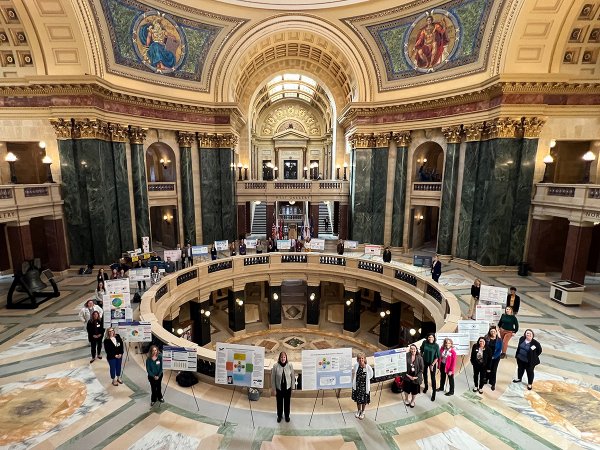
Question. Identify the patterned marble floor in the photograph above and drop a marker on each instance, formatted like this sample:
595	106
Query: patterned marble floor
52	397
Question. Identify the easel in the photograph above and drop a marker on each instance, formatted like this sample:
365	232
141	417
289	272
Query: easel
127	351
249	405
380	389
464	368
167	385
322	402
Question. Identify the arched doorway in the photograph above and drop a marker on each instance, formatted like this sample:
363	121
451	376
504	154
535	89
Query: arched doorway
428	162
160	163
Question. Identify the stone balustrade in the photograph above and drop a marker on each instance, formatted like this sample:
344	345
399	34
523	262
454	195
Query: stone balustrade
576	202
426	193
21	202
308	190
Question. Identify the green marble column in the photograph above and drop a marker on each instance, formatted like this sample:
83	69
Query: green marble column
187	187
449	189
122	195
228	204
140	186
399	200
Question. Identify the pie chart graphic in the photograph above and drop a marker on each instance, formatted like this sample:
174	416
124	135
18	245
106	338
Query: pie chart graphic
117	302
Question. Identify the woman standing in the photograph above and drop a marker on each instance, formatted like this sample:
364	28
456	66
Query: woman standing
475	290
282	382
154	275
480	359
100	293
528	356
508	326
95	330
102	276
414	375
495	345
213	252
361	384
447	365
113	346
86	312
431	354
155	374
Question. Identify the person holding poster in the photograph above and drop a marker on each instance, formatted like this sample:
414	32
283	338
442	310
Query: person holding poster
513	300
113	346
86	312
282	382
481	357
431	354
361	384
154	369
495	345
436	269
414	375
475	291
508	326
95	330
447	365
528	356
242	247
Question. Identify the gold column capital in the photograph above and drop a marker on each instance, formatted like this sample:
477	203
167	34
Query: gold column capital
118	132
402	138
532	127
217	140
185	139
91	129
362	140
504	127
63	128
474	131
453	134
382	140
137	135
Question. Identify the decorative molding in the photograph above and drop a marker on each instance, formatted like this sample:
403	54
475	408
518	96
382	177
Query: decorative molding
62	128
217	140
185	139
532	127
453	134
504	127
382	140
118	133
137	135
402	138
474	131
362	140
90	129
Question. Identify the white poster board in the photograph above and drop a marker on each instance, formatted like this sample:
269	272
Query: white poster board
199	250
317	244
119	286
350	245
489	313
493	294
250	243
389	363
460	341
179	358
135	331
112	316
284	244
240	365
139	274
373	250
326	369
222	246
175	255
474	328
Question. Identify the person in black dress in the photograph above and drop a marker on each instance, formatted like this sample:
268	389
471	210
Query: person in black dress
95	331
481	358
414	375
361	385
387	255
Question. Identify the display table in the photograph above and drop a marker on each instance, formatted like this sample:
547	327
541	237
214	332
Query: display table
566	292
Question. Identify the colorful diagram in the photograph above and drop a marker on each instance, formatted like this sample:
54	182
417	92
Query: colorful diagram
239	369
116	301
324	363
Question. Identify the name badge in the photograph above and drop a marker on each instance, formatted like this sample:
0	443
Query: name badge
157	362
97	325
118	344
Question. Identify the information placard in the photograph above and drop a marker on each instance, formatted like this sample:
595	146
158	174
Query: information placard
250	243
179	358
112	316
139	274
372	249
460	341
326	369
350	245
474	328
284	244
118	286
222	246
199	250
493	294
489	313
317	244
240	365
175	255
135	331
390	363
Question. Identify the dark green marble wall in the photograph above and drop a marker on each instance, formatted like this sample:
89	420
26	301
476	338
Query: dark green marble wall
399	199
96	196
217	188
449	185
467	202
369	167
140	192
187	196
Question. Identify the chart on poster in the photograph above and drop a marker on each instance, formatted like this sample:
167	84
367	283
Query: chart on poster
460	341
389	363
489	313
179	358
493	294
326	369
240	365
474	328
135	331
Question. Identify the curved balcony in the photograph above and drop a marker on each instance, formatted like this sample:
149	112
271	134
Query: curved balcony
313	191
579	202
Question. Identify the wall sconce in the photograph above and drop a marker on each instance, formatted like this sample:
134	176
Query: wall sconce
257	202
337	172
275	169
246	173
588	158
239	302
10	158
345	171
305	172
421	160
382	314
165	163
275	296
205	313
179	331
314	168
47	161
239	166
168	218
548	160
419	218
292	202
412	331
312	297
349	302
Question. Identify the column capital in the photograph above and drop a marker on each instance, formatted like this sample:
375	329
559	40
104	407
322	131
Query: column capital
532	127
185	139
382	140
402	138
453	134
474	131
137	135
91	129
362	140
118	132
504	127
217	140
62	128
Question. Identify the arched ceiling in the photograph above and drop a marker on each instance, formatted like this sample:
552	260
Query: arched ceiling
289	5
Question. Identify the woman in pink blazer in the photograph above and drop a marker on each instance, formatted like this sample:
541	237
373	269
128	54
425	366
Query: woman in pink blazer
447	365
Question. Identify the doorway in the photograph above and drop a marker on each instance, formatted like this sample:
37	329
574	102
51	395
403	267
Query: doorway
290	169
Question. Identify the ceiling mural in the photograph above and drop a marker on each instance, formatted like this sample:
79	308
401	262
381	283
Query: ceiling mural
410	45
163	48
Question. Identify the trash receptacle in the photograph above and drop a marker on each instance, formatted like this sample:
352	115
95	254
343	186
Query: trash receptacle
523	269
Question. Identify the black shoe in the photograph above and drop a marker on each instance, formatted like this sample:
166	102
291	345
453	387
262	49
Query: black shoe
425	390
448	394
502	355
287	419
278	419
440	390
493	387
433	398
516	381
162	400
152	403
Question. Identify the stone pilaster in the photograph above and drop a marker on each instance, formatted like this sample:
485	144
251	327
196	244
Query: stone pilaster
449	185
402	142
185	141
140	185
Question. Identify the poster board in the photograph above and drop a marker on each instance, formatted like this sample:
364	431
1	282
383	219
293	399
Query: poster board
462	346
317	244
373	250
474	328
112	316
284	244
326	369
175	255
179	358
389	363
222	246
146	244
240	365
250	243
135	331
350	245
489	313
493	294
200	250
117	286
139	274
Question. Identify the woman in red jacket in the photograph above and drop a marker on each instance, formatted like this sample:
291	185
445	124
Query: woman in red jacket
447	365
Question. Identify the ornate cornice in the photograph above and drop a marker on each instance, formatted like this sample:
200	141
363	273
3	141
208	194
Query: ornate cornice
136	135
185	139
453	134
504	127
382	140
532	127
62	128
474	131
402	138
217	140
118	133
91	129
362	140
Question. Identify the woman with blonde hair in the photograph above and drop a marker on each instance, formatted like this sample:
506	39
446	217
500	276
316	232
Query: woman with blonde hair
447	365
113	346
361	384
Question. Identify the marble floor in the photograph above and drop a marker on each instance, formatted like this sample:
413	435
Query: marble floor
52	397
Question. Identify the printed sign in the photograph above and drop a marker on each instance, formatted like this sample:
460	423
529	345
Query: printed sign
175	255
372	249
240	365
317	244
459	340
390	363
179	358
199	250
474	328
222	246
139	274
489	313
493	294
326	369
284	244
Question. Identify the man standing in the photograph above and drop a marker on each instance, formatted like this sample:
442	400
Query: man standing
513	300
340	247
436	268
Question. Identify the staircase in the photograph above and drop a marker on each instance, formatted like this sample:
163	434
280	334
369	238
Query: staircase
259	220
324	212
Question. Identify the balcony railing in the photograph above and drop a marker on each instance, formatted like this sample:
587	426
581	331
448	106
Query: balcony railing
581	199
427	193
16	199
162	187
428	186
275	188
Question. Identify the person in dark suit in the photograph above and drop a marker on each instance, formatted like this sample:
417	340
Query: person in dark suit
481	359
340	247
513	300
113	346
387	255
528	356
436	268
102	276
